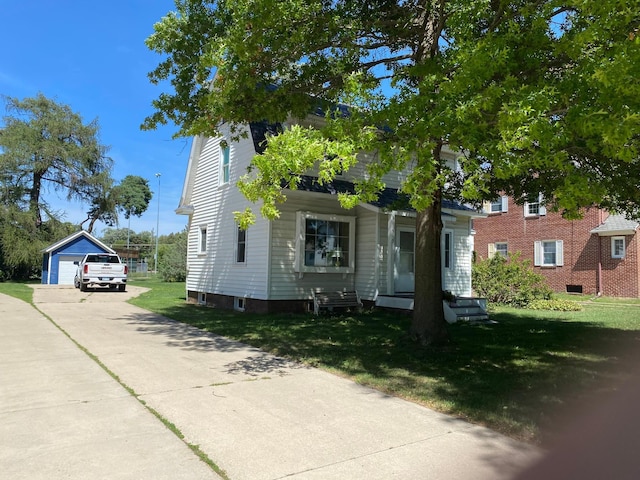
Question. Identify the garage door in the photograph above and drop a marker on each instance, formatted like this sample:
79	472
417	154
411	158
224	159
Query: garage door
67	270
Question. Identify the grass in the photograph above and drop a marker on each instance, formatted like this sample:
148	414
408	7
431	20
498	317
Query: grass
522	377
18	290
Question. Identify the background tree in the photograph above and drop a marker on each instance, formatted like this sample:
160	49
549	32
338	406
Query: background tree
44	145
132	197
172	256
540	96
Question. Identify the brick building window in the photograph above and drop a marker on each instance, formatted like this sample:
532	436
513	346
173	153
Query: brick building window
548	253
498	248
617	247
534	206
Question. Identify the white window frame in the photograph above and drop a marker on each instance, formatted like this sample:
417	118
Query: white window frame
202	239
538	256
613	247
239	304
541	208
493	249
301	219
448	248
501	205
225	164
237	247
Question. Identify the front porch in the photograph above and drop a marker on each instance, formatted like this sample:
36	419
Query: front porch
462	309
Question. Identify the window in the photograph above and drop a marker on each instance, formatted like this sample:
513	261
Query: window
238	304
202	241
534	206
498	206
498	248
326	243
224	165
617	247
447	249
548	253
241	245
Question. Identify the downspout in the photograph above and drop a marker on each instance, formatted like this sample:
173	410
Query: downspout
599	293
599	272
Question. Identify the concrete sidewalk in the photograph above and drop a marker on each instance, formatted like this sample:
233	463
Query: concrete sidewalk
262	417
63	416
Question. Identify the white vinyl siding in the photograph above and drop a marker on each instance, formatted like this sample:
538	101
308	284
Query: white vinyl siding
457	278
618	247
215	271
285	282
548	253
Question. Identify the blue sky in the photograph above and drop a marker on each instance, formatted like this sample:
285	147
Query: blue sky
91	56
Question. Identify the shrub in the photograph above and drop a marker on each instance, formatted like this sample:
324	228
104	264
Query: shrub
555	304
172	265
509	281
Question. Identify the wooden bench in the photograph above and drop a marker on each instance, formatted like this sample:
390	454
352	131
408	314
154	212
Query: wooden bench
331	300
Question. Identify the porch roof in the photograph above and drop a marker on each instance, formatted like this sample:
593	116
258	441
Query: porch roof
616	225
388	199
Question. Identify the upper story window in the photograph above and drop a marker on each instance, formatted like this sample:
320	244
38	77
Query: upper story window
202	240
225	153
618	247
548	253
498	206
534	206
325	243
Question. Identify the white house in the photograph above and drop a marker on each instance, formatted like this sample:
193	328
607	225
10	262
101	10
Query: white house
314	245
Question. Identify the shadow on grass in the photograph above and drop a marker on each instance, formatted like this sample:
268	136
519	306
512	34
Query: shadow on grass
524	376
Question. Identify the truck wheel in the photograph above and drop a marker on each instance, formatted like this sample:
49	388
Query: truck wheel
83	287
122	287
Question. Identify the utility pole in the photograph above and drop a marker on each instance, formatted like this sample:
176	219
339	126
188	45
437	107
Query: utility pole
157	224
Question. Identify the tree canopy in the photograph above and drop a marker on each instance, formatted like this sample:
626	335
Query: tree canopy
44	147
538	96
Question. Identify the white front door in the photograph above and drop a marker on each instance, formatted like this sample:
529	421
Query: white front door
404	265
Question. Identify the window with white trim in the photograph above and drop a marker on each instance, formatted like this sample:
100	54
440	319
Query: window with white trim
498	248
225	153
534	206
447	249
241	245
618	247
202	240
325	243
499	206
548	253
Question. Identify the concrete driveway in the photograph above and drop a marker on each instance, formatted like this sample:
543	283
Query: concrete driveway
255	415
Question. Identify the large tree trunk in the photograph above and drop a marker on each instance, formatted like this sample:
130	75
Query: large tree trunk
429	326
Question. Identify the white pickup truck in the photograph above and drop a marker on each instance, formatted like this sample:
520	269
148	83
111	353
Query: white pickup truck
103	269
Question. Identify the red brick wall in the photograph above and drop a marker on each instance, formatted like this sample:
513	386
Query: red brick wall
619	276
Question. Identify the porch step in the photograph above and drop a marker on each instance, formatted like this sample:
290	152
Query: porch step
466	309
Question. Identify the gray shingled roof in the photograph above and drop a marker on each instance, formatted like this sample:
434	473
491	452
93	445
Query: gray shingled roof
616	225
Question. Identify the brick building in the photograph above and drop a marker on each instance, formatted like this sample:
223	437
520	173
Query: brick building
596	254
